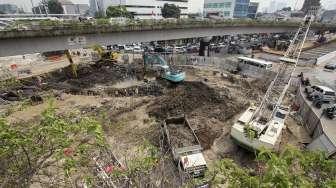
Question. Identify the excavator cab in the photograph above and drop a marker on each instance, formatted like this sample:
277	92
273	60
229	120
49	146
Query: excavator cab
100	54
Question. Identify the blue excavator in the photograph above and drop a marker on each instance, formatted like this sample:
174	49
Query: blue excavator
156	63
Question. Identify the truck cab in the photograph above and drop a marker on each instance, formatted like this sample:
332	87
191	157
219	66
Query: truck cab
193	164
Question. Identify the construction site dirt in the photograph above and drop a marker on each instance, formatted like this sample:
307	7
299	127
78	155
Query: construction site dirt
131	108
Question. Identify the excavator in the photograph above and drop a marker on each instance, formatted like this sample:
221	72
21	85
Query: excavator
156	63
100	54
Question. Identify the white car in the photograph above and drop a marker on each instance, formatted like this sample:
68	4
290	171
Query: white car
137	49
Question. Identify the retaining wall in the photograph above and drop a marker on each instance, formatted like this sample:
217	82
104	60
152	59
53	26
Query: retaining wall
328	57
314	123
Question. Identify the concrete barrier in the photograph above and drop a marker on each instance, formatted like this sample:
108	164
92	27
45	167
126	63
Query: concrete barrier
326	58
317	125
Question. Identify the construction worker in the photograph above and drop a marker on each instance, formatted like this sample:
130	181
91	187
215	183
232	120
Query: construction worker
307	20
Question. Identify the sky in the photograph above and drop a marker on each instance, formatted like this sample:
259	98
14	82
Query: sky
196	5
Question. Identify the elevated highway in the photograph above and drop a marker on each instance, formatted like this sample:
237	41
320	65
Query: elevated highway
79	35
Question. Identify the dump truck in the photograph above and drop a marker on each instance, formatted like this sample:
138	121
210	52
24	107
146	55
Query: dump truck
185	146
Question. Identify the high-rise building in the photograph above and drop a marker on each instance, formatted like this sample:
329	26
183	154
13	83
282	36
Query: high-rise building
281	5
311	7
8	8
253	9
272	7
67	6
241	8
96	6
221	8
148	9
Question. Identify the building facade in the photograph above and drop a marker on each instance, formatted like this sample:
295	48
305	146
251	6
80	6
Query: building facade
8	8
241	8
328	16
96	6
311	7
67	6
70	8
221	8
148	9
252	10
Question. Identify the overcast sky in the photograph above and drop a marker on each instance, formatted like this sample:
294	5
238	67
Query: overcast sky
196	5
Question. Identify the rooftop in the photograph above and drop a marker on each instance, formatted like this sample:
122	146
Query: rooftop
260	61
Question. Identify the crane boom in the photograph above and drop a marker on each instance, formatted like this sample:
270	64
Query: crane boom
288	63
261	127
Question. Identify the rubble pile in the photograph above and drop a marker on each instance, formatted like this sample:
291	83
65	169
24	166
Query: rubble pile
148	89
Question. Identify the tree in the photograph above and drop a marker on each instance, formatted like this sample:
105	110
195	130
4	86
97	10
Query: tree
54	6
170	11
290	168
49	152
117	11
287	9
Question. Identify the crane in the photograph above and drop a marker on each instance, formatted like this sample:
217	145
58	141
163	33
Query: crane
288	63
260	127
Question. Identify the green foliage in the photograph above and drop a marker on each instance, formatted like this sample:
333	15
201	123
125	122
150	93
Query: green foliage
103	21
170	11
250	133
54	6
290	168
11	82
117	11
287	9
148	156
50	23
53	143
99	14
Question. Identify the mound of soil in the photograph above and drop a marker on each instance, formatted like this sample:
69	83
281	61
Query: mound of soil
206	108
90	75
192	98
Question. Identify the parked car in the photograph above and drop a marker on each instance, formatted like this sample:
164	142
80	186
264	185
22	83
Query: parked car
330	66
330	111
192	49
128	48
322	94
137	49
179	49
310	89
159	49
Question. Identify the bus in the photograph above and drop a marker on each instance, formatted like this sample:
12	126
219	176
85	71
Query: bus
255	62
